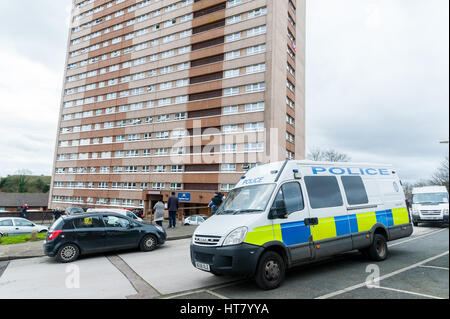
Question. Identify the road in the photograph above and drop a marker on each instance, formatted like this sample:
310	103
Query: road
418	267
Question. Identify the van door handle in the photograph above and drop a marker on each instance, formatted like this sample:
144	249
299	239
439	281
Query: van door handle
311	221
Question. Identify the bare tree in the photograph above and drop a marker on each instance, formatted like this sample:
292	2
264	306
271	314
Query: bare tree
329	155
441	175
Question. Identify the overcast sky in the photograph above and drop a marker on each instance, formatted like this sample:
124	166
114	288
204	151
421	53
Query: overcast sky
377	81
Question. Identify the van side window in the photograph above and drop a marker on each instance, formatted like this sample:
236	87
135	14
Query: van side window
292	195
323	191
355	190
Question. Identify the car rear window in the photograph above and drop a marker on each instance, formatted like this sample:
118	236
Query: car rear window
7	222
323	191
57	225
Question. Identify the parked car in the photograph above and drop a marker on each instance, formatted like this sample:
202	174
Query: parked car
195	220
74	210
19	226
72	236
123	212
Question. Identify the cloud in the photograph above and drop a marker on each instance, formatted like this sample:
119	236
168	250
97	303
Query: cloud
29	111
377	81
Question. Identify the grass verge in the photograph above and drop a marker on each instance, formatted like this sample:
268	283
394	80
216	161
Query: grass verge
12	240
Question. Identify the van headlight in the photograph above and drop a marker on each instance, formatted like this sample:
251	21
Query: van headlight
236	237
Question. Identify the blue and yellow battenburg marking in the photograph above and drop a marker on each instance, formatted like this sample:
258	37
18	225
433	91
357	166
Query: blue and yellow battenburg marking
296	233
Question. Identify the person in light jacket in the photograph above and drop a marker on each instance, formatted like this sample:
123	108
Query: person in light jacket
159	213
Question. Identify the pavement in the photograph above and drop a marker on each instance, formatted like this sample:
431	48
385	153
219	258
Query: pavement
36	249
417	268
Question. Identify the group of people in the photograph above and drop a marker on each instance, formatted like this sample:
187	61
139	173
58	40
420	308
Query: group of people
172	207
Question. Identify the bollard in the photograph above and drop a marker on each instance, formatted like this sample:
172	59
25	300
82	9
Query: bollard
34	236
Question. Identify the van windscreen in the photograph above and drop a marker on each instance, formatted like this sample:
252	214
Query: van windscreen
246	200
430	198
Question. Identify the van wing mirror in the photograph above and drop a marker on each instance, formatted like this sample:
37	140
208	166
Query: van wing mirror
278	210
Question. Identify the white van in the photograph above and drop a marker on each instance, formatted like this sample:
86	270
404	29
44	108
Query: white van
430	205
287	213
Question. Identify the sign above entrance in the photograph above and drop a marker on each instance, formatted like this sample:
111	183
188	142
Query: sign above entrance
184	197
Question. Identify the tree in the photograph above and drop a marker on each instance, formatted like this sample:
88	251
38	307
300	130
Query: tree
441	175
22	180
329	155
41	185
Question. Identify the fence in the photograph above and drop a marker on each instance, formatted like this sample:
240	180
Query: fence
44	217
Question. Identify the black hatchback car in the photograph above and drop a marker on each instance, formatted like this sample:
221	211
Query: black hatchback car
72	236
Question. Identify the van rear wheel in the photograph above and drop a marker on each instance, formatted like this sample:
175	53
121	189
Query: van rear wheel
271	271
378	250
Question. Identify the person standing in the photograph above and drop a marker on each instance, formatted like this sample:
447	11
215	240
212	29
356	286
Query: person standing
216	201
24	211
159	212
172	206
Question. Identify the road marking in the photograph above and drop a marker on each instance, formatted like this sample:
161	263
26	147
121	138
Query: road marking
434	267
348	289
409	292
418	237
143	288
208	290
216	294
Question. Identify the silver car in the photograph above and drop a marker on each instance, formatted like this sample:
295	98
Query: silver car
19	226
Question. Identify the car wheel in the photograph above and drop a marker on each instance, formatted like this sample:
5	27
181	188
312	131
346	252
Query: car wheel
149	243
271	271
378	250
68	253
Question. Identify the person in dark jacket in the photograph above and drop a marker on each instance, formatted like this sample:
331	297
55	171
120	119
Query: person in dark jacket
216	201
24	211
172	206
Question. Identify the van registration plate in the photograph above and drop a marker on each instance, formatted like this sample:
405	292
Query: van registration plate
203	266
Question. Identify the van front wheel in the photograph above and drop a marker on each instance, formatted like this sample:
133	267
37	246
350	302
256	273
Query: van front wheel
378	251
271	271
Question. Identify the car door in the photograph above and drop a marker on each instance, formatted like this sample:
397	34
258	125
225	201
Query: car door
330	225
23	226
7	227
90	233
293	230
121	232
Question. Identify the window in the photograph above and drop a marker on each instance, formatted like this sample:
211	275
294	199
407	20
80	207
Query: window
116	222
20	222
291	194
7	222
323	191
355	190
88	222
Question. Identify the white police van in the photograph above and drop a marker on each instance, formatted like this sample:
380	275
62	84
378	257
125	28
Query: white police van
284	214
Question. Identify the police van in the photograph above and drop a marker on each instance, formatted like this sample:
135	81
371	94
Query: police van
284	214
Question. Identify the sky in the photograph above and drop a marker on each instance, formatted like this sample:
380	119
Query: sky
377	81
